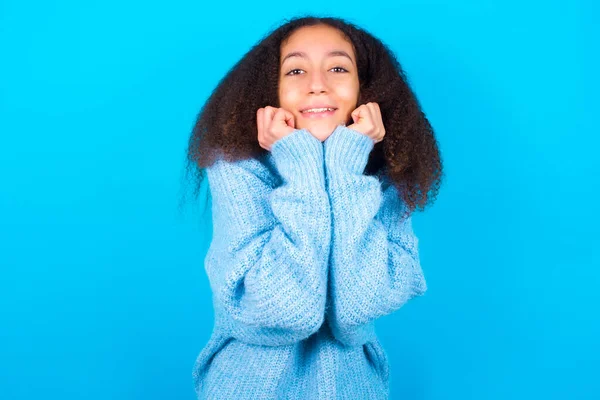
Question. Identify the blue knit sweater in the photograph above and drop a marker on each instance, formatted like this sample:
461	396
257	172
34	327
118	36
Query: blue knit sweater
307	253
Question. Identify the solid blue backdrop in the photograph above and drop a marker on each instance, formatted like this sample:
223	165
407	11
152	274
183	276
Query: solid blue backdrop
103	293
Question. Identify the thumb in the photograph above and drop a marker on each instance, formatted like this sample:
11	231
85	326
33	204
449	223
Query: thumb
357	115
289	119
280	117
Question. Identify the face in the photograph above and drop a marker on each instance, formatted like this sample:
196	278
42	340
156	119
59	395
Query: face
318	70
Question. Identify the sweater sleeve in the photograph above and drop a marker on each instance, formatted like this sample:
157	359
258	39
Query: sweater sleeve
375	266
267	264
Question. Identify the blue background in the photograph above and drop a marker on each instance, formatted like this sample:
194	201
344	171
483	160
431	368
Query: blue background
103	293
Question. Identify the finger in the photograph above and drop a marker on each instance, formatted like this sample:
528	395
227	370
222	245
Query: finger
279	115
368	114
372	110
357	114
259	121
289	119
378	115
282	116
379	119
267	119
278	118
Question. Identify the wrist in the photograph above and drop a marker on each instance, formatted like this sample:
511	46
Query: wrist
348	149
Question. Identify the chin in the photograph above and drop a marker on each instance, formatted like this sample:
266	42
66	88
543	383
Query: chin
323	130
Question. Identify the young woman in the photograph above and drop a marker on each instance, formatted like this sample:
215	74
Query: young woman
316	152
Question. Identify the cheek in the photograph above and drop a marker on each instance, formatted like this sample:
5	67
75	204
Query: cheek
288	97
349	95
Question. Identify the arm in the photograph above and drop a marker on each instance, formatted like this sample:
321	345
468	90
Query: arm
375	266
267	264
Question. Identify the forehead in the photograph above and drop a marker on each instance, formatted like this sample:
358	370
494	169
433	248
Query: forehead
316	40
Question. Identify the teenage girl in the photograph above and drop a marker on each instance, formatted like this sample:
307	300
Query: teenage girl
317	153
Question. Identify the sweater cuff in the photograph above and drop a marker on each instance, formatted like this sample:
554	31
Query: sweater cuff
349	149
299	158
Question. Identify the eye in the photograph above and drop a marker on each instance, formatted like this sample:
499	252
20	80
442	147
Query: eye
290	73
340	68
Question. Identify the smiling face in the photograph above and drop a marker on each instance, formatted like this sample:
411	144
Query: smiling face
317	70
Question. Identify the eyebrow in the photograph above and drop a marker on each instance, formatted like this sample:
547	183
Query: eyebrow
332	53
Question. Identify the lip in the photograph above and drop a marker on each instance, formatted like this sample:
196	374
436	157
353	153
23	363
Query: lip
317	106
322	114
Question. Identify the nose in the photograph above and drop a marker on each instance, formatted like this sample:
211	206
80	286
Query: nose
317	83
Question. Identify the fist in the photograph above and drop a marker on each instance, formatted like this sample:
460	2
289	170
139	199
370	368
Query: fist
367	120
273	124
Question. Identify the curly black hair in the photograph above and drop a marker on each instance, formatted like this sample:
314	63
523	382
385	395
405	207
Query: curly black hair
408	156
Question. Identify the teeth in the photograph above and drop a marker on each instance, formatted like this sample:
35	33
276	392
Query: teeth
319	109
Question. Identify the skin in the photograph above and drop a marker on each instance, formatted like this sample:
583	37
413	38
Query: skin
317	77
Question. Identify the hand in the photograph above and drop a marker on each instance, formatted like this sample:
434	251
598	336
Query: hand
273	124
367	120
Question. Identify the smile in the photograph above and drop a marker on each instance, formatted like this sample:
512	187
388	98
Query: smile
318	112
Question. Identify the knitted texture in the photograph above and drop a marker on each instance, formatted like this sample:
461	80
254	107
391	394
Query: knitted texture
307	252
